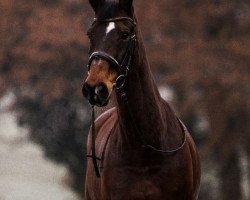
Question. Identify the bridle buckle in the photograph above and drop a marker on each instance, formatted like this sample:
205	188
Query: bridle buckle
120	81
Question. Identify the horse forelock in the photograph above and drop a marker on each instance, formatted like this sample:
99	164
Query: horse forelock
108	10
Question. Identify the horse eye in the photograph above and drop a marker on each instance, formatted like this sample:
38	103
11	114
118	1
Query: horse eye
125	35
90	35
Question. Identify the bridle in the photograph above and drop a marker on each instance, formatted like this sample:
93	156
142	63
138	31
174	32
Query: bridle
123	69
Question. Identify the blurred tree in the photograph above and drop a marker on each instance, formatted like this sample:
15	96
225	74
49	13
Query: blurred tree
42	53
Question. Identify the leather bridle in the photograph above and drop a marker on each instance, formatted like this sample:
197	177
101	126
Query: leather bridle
123	69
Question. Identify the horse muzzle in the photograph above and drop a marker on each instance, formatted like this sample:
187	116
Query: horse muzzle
97	95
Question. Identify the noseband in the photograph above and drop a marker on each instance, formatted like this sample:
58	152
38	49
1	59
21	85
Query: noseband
123	68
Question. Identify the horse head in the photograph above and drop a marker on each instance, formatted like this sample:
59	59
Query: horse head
112	38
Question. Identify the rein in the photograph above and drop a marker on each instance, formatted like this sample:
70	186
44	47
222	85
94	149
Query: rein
123	69
93	156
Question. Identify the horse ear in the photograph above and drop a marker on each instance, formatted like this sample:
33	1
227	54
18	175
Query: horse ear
127	5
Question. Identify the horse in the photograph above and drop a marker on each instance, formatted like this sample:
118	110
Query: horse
138	149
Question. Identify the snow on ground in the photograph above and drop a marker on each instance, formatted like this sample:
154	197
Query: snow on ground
24	172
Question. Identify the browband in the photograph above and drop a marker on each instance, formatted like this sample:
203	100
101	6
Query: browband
115	19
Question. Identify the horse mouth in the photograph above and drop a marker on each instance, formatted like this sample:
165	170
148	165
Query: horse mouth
99	103
97	95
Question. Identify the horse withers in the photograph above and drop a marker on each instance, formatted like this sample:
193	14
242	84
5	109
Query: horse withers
138	149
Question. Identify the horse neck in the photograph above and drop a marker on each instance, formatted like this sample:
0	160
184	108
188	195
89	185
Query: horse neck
150	113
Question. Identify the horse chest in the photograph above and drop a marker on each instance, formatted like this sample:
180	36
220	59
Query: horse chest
142	177
131	183
138	189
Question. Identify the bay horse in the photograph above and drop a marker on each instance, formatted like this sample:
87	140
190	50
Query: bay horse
138	149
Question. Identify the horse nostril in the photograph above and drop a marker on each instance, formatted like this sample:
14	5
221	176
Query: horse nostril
101	90
86	90
97	95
